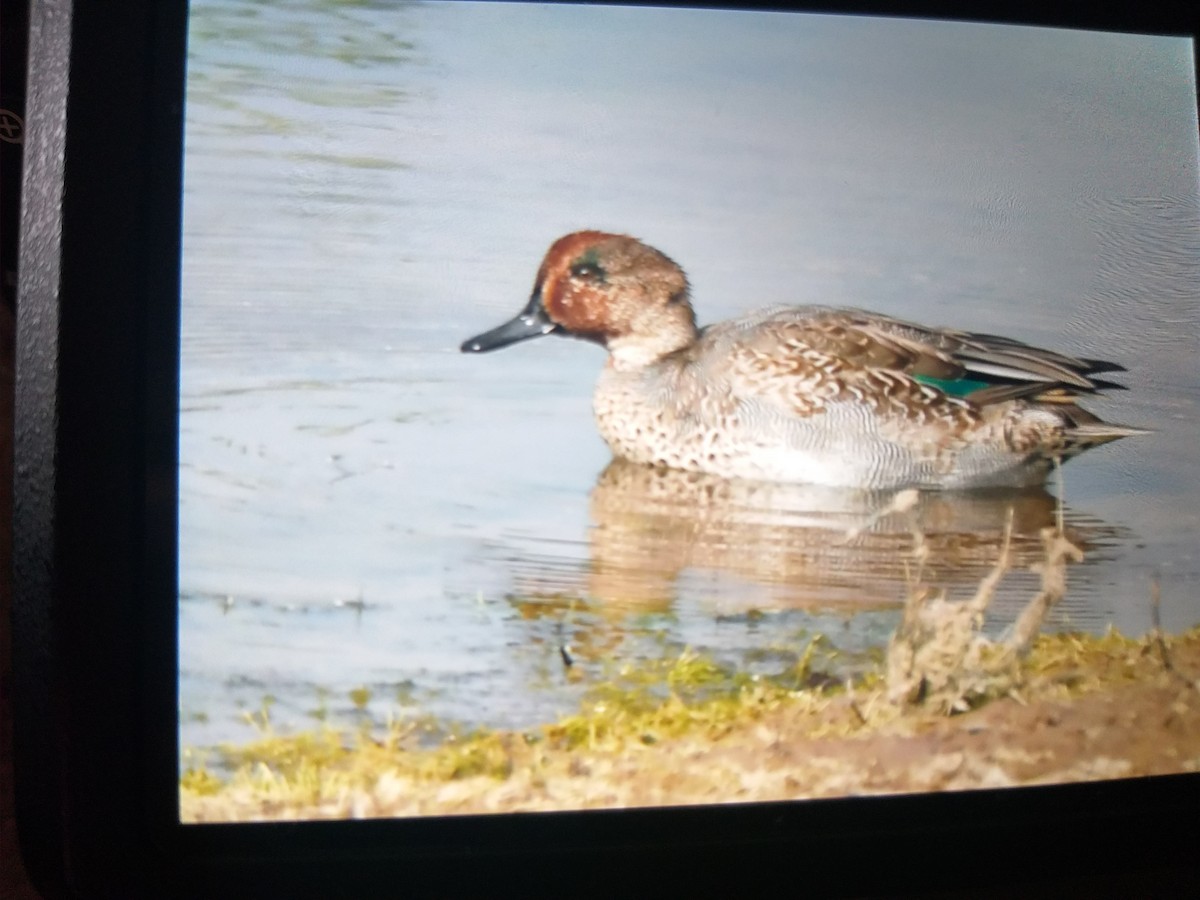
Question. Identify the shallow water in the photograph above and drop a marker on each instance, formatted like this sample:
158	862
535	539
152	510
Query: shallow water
361	505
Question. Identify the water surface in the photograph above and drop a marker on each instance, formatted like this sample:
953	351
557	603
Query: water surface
366	186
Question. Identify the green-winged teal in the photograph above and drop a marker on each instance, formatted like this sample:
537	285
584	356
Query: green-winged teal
805	394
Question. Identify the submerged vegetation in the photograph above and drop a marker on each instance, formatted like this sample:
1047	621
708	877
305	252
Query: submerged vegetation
947	708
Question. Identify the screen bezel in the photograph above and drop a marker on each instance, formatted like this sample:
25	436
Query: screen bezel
95	548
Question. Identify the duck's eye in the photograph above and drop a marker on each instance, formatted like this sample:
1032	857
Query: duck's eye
588	271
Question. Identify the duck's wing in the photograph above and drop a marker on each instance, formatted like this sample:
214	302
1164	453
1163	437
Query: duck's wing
930	386
986	368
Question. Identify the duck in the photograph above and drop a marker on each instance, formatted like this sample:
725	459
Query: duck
804	394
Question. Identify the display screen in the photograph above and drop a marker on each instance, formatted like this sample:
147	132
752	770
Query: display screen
930	524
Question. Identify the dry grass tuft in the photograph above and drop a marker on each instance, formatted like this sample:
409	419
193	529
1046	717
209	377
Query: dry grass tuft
940	659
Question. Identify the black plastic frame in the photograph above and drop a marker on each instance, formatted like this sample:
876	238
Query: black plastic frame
95	583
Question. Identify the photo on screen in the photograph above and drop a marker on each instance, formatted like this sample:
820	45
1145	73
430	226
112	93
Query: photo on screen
591	407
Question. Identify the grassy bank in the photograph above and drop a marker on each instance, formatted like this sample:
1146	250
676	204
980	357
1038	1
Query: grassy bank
1076	707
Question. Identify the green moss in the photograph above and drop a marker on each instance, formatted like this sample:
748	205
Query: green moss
201	782
286	754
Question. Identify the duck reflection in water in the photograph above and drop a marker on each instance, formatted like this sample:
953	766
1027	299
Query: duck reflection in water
765	545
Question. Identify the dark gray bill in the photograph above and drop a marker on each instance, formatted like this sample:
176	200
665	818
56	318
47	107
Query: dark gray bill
531	322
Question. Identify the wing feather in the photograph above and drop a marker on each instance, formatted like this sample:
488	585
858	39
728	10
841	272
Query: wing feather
870	340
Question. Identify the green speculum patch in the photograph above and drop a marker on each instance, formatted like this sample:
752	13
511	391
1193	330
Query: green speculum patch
953	387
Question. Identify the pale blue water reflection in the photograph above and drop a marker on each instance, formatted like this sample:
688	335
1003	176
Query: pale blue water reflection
368	185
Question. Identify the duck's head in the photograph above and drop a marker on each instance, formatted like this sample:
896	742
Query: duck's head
607	288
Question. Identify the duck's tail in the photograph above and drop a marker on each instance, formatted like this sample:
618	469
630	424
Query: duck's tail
1085	435
1079	429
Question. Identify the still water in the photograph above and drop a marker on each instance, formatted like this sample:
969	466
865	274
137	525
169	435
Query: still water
366	186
